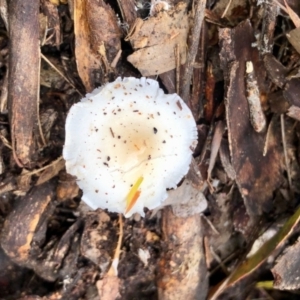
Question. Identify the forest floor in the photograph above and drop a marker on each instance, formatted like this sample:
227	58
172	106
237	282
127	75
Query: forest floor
236	64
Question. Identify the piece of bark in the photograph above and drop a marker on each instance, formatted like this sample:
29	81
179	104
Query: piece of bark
97	37
103	28
193	46
268	27
257	175
286	270
209	107
11	276
20	228
95	245
182	268
23	88
198	79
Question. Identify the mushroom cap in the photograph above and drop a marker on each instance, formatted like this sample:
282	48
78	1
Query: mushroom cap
128	139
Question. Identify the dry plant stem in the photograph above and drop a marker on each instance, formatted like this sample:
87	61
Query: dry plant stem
116	59
23	76
45	167
38	104
182	268
60	73
226	9
215	146
5	141
177	57
285	150
113	271
4	13
193	49
219	260
4	94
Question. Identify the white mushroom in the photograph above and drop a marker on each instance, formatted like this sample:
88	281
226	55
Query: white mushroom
127	143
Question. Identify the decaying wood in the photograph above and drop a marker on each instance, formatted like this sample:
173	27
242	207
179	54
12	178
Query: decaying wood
268	27
94	244
97	41
193	49
23	79
103	29
20	228
286	269
182	268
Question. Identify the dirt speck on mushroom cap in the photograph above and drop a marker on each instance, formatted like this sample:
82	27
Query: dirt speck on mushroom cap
123	131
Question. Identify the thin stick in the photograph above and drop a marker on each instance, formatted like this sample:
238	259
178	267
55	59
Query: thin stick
43	168
38	105
60	73
177	59
226	9
116	59
188	70
285	150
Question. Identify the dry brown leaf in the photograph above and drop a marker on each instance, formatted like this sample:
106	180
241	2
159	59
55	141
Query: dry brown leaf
155	40
215	146
294	38
186	200
294	17
294	112
257	175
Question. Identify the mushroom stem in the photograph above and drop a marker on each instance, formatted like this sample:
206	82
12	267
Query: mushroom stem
133	194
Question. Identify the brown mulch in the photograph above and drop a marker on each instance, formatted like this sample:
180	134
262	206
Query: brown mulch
236	65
